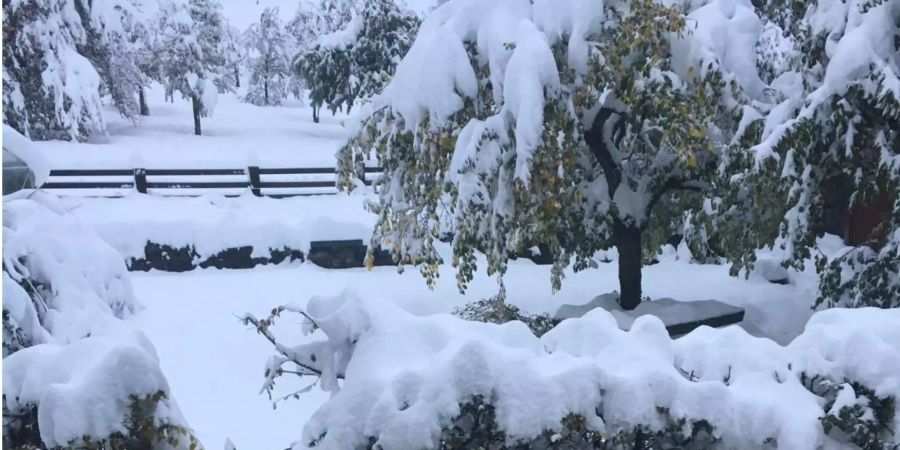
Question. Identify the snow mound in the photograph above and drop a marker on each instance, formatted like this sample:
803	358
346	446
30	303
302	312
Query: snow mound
82	389
80	282
406	377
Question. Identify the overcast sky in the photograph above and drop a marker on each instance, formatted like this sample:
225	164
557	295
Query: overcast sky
242	13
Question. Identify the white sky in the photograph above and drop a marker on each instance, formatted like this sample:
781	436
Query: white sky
242	13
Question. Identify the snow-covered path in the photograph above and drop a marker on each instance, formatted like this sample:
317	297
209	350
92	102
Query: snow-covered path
215	364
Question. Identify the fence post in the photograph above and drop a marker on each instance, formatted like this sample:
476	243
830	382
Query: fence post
254	180
140	180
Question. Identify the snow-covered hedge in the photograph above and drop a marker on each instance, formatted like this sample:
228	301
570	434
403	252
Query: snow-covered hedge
75	375
408	382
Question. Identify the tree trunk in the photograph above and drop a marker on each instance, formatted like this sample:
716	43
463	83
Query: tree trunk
142	99
266	91
315	114
628	241
237	76
195	102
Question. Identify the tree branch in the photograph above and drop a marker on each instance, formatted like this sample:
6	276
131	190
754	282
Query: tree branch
674	184
598	141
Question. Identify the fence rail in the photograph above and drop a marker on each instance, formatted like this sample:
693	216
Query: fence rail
289	182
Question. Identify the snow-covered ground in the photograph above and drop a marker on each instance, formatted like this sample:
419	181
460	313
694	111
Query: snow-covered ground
214	364
237	135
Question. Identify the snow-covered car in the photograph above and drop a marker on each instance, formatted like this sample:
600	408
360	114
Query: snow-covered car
23	166
16	174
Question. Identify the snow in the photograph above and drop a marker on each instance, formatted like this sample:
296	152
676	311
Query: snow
81	389
237	136
23	148
84	362
212	223
722	34
406	375
82	279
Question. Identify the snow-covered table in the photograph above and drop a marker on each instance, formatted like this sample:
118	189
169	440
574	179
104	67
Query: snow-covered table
679	317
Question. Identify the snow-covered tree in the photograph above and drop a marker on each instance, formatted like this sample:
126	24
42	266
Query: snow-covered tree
189	53
268	60
359	57
113	44
234	52
826	136
50	91
562	124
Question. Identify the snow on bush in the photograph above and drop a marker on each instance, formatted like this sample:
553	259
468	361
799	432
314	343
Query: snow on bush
79	283
401	381
74	374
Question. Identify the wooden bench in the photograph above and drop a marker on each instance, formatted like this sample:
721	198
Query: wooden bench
268	182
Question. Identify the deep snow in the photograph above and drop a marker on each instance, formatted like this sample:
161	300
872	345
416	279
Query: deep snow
213	363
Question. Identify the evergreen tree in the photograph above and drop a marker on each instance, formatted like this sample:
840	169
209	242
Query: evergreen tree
357	59
269	72
50	91
571	143
189	53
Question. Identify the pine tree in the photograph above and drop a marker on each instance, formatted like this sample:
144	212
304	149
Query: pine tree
571	143
50	91
269	73
189	53
359	57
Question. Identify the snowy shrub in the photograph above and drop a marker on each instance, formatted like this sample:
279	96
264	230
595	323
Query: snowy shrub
95	393
61	273
496	310
74	374
400	381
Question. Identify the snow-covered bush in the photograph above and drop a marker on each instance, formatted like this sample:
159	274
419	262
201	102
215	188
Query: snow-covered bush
401	381
75	375
59	271
356	59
